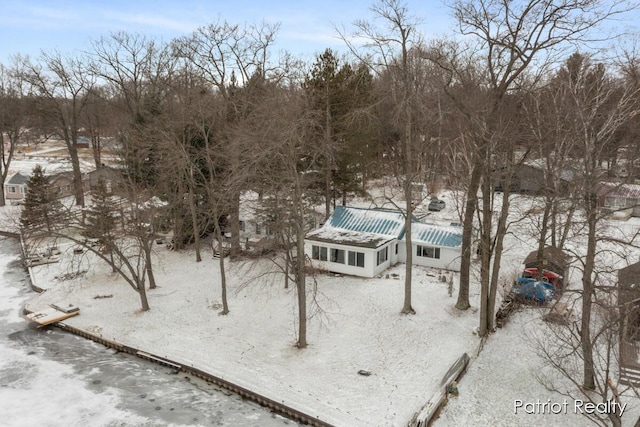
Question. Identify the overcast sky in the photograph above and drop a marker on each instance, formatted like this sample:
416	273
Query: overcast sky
307	27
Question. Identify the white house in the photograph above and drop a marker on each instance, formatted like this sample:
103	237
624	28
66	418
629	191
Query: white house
258	220
361	242
365	242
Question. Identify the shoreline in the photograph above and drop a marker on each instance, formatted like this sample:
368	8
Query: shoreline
269	403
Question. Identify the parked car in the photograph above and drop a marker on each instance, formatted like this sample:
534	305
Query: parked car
436	205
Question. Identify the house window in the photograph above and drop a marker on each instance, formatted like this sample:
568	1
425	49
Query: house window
319	253
12	189
428	252
23	190
258	231
356	259
383	255
396	249
337	255
241	225
268	230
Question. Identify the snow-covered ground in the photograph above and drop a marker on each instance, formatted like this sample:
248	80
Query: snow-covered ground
355	325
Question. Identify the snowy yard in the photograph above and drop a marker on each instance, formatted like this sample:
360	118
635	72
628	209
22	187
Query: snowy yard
358	328
355	325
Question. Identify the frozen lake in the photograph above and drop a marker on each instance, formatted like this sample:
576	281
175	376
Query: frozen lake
49	377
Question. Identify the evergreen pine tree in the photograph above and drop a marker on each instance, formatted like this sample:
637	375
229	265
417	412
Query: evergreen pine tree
41	206
101	215
101	219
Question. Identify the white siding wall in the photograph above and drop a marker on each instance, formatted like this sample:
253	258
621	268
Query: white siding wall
449	259
370	269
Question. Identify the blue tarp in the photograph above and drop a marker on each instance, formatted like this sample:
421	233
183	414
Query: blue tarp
532	290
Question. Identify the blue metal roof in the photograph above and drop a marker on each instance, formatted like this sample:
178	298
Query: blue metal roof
377	221
436	235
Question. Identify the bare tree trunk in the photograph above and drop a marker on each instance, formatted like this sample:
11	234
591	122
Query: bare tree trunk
96	149
485	257
408	186
234	218
194	220
143	297
467	235
328	156
542	239
77	174
147	245
497	258
407	307
587	293
301	277
223	276
567	226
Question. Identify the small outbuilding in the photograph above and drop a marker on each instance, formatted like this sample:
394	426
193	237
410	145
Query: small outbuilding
552	259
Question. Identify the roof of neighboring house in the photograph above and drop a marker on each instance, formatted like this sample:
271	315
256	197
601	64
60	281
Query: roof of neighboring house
18	179
566	173
436	235
384	222
630	191
60	175
550	255
629	275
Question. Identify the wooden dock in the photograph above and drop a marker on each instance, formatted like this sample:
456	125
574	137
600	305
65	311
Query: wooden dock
53	314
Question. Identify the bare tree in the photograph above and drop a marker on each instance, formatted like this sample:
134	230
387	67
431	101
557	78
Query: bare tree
61	85
388	49
599	109
13	117
283	123
512	40
227	56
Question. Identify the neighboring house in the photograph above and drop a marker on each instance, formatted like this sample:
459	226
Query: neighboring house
83	142
629	304
16	187
258	222
111	177
62	183
365	242
530	177
620	198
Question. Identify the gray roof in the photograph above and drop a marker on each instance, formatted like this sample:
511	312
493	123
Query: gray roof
18	179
